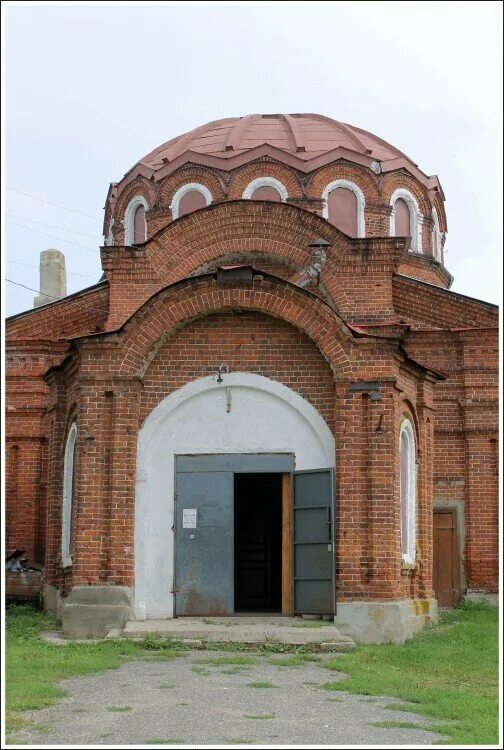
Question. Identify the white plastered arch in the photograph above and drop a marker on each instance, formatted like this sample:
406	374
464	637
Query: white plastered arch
179	194
129	218
68	490
361	202
256	415
407	433
416	218
437	245
266	182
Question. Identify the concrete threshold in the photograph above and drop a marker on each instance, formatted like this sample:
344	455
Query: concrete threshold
294	631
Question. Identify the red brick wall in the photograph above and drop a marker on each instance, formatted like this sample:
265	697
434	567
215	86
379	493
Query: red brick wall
284	333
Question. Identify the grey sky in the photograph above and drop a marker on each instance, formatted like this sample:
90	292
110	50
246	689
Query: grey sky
91	89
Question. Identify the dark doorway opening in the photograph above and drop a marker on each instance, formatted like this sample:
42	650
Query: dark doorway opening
258	542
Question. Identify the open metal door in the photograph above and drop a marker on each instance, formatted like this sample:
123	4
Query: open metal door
314	554
204	551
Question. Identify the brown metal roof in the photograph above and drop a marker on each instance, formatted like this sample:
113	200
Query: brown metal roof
306	135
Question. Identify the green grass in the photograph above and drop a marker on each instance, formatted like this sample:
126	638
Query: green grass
160	741
119	709
228	660
448	673
260	716
34	666
260	685
201	670
397	725
296	660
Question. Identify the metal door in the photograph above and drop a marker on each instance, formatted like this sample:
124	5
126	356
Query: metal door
314	559
204	547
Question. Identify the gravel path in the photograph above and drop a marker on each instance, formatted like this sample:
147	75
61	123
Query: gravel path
185	701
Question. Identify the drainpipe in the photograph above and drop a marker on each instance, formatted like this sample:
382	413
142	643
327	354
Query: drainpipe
313	271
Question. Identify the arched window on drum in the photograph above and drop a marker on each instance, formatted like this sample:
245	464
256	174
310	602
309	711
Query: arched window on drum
344	206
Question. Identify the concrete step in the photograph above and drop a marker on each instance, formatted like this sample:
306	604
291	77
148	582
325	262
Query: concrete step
246	630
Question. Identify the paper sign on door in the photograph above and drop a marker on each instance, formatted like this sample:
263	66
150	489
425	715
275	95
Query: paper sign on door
189	516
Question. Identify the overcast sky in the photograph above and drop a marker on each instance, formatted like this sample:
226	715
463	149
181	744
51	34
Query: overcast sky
90	89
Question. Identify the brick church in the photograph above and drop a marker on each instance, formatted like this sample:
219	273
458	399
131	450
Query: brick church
269	403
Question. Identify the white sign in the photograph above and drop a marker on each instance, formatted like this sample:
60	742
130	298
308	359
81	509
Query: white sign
189	518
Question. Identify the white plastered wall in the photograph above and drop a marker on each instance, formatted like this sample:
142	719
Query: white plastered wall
246	413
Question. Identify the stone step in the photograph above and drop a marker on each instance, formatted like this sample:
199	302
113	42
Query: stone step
244	630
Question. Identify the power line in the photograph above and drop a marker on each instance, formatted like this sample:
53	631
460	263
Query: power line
31	290
60	239
63	229
30	265
35	198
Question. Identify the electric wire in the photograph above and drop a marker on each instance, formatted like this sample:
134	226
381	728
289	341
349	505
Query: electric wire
50	203
31	265
53	226
53	237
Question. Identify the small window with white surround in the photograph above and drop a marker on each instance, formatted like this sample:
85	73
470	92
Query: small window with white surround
407	472
344	207
189	198
406	219
135	221
67	516
266	189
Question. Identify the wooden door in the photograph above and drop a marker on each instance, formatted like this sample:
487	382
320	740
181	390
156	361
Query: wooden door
446	569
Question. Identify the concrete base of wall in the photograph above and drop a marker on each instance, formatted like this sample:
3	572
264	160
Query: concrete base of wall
384	621
482	596
52	601
92	611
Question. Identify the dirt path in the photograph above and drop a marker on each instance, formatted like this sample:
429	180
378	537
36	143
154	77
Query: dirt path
186	701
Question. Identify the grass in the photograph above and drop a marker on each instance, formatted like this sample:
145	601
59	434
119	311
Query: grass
228	660
397	725
119	709
161	741
34	666
447	673
314	624
261	685
260	716
201	670
296	660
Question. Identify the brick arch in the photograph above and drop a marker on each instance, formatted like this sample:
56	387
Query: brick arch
394	180
243	226
148	330
359	175
140	186
262	261
185	176
438	204
242	176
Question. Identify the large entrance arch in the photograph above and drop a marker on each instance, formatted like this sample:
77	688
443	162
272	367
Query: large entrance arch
243	414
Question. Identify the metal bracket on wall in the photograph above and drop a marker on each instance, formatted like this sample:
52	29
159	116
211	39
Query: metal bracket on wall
372	388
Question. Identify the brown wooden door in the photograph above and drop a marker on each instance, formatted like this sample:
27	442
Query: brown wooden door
446	570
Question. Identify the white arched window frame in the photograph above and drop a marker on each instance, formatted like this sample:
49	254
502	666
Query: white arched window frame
437	246
68	490
265	182
416	218
361	202
174	205
129	218
408	491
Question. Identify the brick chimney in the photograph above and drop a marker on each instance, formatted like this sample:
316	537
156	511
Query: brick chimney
52	277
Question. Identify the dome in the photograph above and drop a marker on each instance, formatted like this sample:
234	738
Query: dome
307	136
